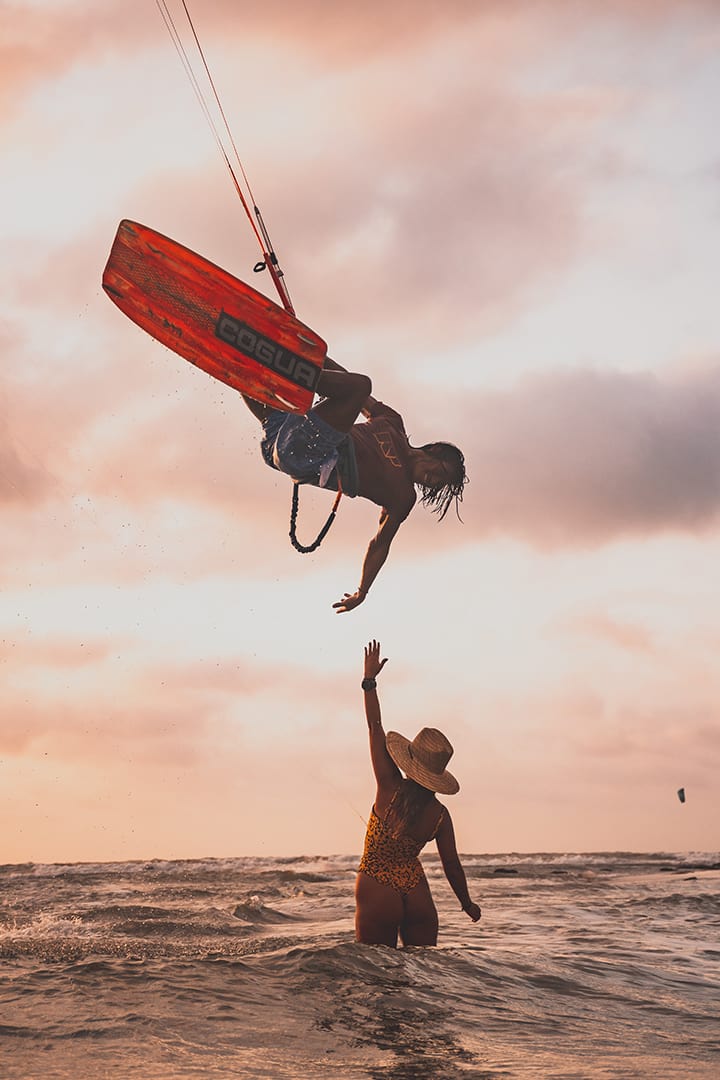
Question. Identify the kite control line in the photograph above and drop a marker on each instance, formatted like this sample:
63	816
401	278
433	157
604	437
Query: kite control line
269	260
257	224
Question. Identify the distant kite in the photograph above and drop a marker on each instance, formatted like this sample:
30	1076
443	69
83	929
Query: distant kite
681	794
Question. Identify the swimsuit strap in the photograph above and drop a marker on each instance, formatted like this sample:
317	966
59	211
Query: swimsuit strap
389	806
439	823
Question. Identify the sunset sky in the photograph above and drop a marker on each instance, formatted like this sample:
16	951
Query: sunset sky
507	213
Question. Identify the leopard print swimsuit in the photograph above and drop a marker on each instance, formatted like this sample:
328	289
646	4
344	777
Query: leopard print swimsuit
393	860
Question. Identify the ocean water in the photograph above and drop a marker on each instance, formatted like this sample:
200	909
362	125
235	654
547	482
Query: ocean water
583	966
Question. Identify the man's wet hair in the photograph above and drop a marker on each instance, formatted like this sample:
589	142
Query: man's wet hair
440	497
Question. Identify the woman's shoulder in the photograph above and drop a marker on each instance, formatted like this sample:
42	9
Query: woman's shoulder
386	795
431	819
442	818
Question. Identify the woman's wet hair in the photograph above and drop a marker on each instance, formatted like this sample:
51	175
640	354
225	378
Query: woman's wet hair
439	498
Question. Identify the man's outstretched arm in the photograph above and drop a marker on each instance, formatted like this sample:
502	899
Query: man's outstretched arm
375	556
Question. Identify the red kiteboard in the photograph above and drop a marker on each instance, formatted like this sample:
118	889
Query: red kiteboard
212	319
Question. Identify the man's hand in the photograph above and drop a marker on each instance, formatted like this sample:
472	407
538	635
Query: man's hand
349	601
473	911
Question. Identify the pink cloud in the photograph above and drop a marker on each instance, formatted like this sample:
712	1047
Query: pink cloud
54	652
44	41
585	458
647	740
163	709
21	480
438	216
562	460
40	44
241	677
582	745
619	633
171	732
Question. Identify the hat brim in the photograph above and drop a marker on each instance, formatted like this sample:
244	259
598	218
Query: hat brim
398	747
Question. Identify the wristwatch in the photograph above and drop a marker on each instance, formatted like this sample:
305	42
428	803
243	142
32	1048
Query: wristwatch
368	684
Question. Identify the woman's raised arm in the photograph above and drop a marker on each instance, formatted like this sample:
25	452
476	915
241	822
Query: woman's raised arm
386	771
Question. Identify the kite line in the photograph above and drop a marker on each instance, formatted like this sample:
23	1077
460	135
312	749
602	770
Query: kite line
255	217
269	260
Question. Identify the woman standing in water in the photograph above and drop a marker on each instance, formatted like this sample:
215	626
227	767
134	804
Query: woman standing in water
392	894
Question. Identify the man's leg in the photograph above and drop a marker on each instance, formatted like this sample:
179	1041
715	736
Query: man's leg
256	408
345	394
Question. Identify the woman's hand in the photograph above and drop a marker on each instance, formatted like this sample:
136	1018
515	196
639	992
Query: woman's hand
373	663
473	911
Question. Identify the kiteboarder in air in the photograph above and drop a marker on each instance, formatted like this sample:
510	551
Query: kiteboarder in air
372	459
242	338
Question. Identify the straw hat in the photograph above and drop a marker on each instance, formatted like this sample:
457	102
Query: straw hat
424	759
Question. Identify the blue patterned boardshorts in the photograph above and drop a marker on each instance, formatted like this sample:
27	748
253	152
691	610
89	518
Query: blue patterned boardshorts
304	447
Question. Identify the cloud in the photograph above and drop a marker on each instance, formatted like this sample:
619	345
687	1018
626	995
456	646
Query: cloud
438	238
586	458
67	652
25	479
437	215
97	728
578	742
241	676
642	740
564	460
434	218
101	410
437	241
21	481
75	720
619	633
42	42
76	699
